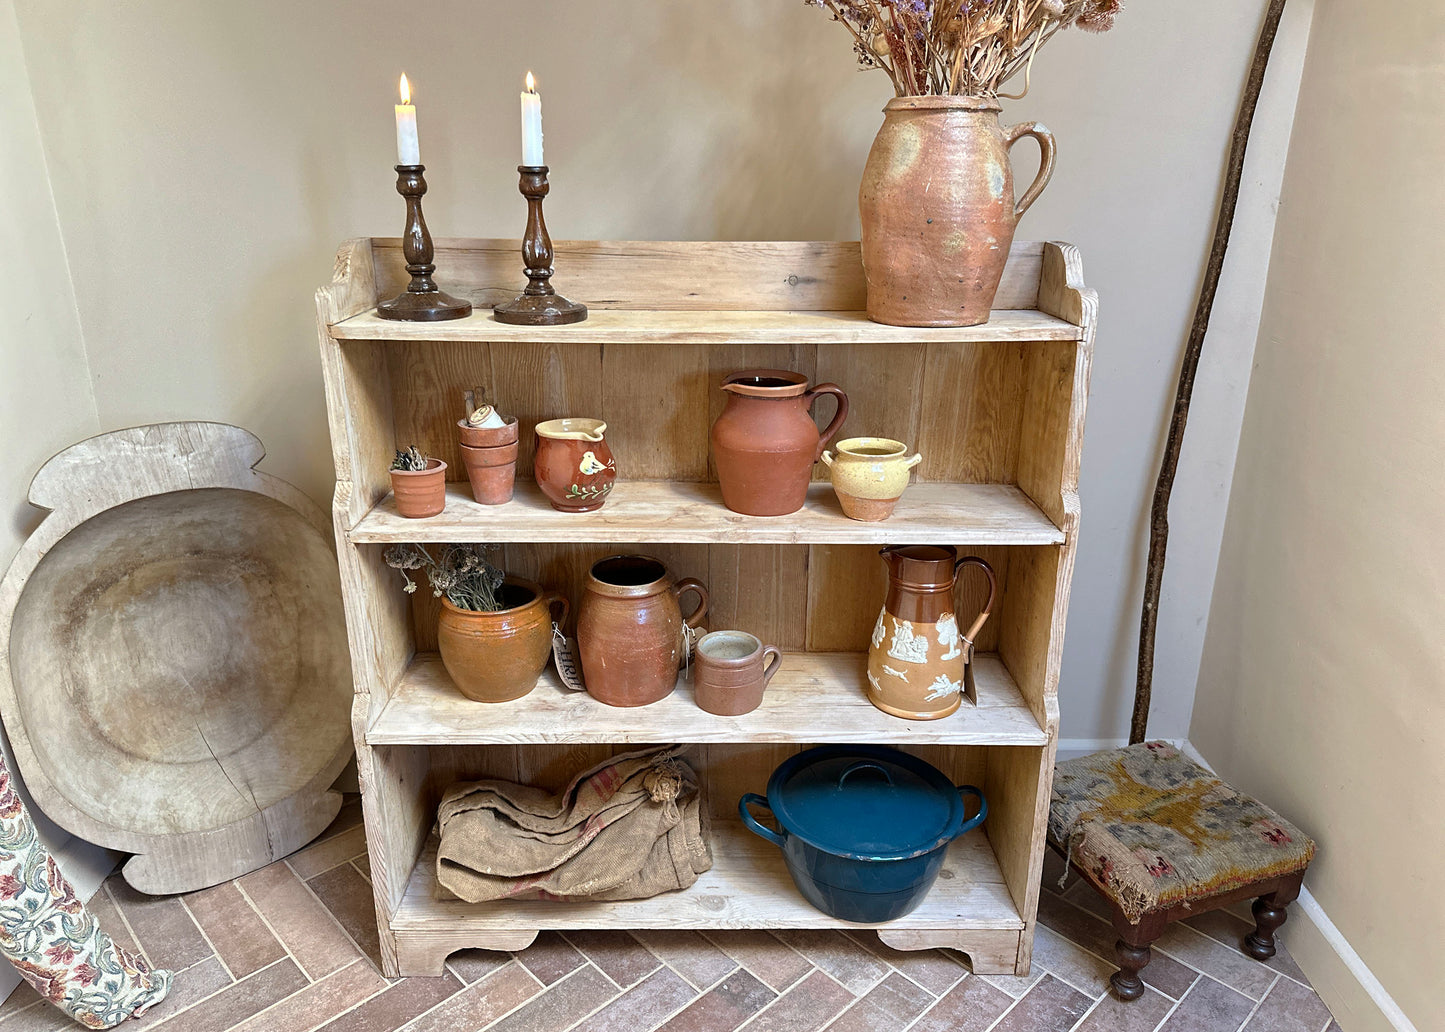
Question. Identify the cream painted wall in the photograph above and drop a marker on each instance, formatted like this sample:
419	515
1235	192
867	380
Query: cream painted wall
1322	681
207	158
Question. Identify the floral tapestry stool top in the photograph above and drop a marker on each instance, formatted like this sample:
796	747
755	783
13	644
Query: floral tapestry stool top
1158	835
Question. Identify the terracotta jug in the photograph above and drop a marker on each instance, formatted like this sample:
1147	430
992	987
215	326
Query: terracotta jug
630	629
573	464
918	662
938	211
765	442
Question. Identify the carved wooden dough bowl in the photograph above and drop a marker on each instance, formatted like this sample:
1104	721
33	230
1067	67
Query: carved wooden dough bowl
176	682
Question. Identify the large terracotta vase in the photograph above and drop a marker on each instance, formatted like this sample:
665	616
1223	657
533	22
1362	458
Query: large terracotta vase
938	209
630	629
498	656
765	442
918	658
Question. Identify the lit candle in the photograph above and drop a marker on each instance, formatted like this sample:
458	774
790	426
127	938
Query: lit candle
407	150
531	124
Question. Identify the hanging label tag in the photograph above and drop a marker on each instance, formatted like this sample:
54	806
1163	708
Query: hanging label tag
564	654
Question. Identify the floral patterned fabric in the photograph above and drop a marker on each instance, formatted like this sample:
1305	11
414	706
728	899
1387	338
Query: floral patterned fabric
1156	829
51	938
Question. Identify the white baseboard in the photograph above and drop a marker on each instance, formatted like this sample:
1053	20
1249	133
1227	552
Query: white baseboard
1349	988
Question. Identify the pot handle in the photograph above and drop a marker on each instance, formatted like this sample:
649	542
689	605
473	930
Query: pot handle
762	831
976	819
865	765
841	414
550	600
1012	135
827	458
692	584
992	594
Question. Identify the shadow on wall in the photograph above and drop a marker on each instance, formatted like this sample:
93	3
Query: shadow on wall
788	166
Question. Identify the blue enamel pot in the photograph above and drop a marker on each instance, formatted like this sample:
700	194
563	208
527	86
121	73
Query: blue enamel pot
863	829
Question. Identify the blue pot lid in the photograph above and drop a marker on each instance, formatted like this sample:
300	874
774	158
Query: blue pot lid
865	802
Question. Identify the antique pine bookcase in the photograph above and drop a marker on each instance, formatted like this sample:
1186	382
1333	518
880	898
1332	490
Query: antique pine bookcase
998	413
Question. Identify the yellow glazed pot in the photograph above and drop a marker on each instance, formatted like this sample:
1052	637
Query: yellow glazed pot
869	475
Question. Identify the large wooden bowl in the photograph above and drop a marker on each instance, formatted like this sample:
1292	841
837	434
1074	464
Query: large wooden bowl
177	682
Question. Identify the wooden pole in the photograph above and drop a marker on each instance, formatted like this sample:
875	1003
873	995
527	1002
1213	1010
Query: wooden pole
1159	514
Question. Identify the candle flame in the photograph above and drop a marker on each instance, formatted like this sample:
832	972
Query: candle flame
531	83
405	89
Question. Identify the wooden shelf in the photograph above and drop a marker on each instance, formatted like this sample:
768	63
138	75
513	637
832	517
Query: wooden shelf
636	326
748	887
678	512
815	697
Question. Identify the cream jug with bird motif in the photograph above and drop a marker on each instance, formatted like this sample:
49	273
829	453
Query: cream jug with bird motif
919	664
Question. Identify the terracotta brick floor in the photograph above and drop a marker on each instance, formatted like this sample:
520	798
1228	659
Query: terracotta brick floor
293	947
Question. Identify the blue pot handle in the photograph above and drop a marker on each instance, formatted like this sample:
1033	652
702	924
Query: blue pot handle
762	831
976	819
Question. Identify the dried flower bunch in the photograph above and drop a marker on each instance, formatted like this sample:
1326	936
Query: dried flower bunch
959	47
411	460
463	574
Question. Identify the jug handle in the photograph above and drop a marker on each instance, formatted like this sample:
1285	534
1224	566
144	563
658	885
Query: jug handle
838	416
992	594
1047	151
551	599
692	584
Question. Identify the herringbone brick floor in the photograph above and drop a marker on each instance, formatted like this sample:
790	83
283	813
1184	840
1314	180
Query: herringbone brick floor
293	948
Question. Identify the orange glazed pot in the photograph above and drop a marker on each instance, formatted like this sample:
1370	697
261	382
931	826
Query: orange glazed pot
498	656
573	465
938	211
629	629
420	492
765	442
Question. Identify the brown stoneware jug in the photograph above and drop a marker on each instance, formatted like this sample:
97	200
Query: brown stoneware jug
938	210
765	442
498	656
918	662
630	629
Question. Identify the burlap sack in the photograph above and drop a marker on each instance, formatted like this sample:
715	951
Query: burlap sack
629	827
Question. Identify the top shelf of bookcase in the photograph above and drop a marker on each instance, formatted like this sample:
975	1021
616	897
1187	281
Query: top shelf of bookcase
640	326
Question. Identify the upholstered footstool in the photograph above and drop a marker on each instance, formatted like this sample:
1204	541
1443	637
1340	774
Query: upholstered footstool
1162	839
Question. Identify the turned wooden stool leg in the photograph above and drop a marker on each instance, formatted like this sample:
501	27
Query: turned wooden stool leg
1269	913
1126	981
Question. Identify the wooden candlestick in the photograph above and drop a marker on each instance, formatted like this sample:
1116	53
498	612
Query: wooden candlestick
422	301
539	304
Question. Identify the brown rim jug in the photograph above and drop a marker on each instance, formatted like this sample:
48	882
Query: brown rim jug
765	442
630	629
919	665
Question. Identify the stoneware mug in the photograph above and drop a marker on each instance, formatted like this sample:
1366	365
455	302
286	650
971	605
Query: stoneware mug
731	669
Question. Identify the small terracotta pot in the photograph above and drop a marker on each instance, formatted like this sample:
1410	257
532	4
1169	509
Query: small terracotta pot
938	211
869	475
497	657
731	671
486	437
421	492
573	466
492	472
629	629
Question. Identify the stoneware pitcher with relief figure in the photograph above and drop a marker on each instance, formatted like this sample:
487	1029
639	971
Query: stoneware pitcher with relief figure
765	442
919	665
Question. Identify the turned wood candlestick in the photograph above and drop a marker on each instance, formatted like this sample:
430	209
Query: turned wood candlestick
539	304
422	301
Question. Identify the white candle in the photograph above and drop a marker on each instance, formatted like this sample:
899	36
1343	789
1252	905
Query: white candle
531	124
408	152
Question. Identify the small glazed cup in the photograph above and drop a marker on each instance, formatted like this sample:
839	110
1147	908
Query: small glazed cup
869	475
731	670
421	492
